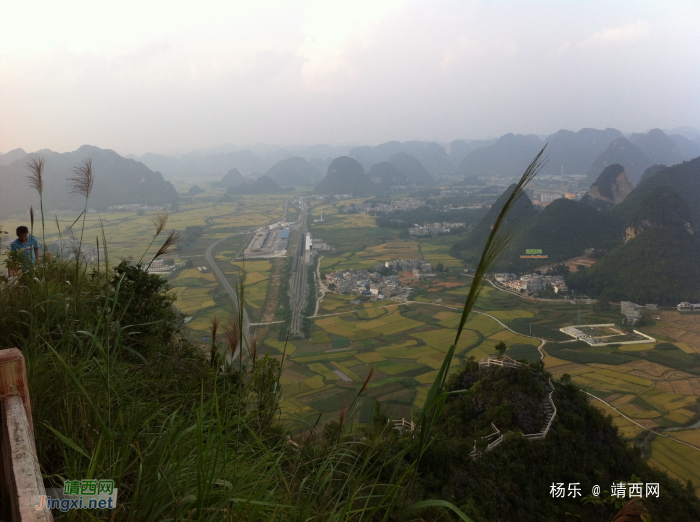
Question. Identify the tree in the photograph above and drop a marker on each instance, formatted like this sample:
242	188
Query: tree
603	304
439	268
501	348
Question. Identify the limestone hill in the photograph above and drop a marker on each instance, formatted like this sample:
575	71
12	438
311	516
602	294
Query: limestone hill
345	176
386	175
414	171
262	185
622	151
295	171
232	178
611	187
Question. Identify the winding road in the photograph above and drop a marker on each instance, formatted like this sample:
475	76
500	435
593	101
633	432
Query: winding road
227	286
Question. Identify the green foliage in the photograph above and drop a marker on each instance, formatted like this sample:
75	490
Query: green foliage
519	213
501	348
682	178
658	266
513	481
563	230
581	352
143	301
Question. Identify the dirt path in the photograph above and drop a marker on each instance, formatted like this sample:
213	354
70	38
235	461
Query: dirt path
643	427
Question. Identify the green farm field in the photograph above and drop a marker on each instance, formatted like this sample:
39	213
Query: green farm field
405	343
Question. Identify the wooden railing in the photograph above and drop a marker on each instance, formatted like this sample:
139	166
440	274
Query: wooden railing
506	361
403	424
22	485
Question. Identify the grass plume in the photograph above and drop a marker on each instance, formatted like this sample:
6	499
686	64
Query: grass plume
159	220
35	180
167	247
83	180
214	328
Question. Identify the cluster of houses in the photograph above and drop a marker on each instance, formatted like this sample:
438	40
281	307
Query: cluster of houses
364	282
433	229
532	283
369	207
406	265
163	265
688	307
135	207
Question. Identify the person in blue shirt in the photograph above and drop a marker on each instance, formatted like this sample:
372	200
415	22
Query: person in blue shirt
27	245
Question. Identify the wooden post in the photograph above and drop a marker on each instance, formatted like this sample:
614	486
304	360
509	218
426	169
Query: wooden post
13	380
22	484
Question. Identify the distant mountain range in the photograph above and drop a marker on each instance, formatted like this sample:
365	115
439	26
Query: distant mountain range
586	152
12	156
622	151
432	156
262	185
413	169
118	181
508	157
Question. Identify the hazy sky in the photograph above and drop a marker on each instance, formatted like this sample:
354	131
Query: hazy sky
162	76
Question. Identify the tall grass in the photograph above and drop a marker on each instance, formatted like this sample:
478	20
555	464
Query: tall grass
186	438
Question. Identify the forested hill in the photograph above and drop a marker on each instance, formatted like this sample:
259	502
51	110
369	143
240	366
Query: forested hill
563	230
345	176
513	481
658	260
522	212
683	178
118	181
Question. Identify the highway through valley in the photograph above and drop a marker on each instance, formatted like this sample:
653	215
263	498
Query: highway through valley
227	286
297	285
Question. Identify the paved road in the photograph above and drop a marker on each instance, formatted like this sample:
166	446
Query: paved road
227	286
231	292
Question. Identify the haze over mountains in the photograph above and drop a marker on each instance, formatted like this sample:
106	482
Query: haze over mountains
587	152
118	181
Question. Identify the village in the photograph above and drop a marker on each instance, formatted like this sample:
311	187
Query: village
532	283
377	286
433	229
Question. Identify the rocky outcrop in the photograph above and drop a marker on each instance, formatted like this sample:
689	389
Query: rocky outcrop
611	188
